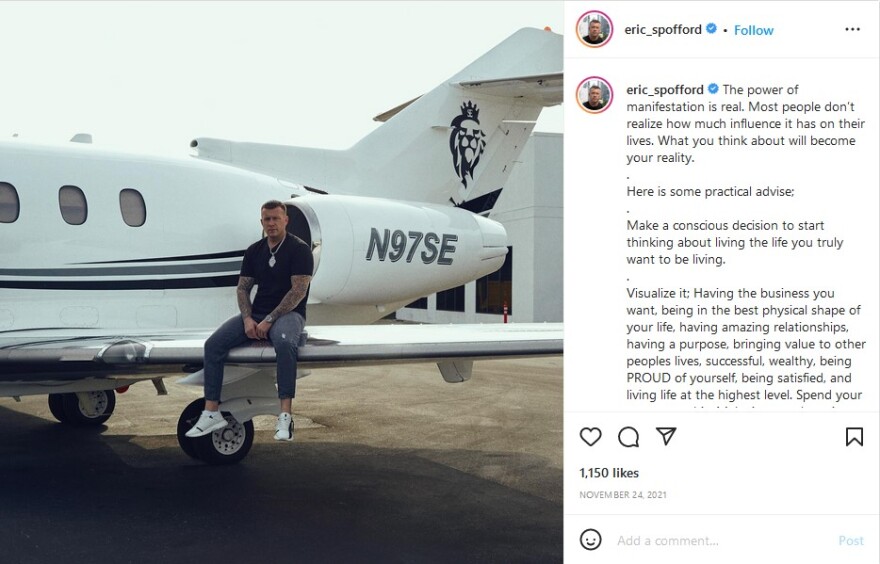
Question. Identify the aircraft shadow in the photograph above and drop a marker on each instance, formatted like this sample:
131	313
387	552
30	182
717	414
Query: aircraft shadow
73	495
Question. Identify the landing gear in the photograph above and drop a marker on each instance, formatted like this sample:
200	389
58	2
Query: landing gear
224	446
83	409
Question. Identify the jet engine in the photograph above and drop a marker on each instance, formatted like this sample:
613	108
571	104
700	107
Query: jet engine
373	251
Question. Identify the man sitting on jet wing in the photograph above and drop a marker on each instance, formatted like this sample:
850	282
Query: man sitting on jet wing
281	266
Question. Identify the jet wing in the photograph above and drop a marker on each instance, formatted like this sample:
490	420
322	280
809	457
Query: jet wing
40	364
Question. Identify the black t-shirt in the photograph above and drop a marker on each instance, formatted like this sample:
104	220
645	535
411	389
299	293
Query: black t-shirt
293	258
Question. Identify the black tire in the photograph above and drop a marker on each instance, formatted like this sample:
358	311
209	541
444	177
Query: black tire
76	414
228	445
56	406
187	419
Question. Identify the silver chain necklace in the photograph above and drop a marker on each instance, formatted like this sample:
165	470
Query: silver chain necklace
272	253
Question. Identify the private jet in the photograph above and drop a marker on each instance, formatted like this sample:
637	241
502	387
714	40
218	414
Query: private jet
116	267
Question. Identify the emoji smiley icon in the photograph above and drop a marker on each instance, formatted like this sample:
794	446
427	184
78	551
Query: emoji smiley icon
591	539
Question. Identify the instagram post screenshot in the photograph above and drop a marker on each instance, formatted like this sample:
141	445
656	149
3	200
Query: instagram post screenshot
440	282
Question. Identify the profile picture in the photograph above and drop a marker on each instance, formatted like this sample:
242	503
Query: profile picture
594	28
594	94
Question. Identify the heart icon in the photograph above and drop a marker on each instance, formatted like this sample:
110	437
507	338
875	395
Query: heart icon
590	435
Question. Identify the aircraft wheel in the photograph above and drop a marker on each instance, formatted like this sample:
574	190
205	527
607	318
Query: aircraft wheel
56	406
187	419
227	445
76	413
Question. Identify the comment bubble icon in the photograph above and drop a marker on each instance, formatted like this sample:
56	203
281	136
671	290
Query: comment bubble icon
628	437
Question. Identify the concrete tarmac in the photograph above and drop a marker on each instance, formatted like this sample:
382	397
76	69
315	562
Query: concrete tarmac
389	464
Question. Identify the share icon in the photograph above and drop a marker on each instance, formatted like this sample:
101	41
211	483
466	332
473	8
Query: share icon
666	433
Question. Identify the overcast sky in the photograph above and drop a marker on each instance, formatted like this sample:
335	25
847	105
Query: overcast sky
152	76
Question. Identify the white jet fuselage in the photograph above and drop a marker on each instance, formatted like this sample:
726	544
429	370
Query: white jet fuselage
178	270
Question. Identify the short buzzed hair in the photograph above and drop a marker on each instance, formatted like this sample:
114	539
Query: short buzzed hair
272	204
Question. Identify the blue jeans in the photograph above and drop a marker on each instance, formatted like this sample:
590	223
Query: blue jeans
284	335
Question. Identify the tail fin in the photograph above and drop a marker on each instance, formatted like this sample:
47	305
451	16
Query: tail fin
458	142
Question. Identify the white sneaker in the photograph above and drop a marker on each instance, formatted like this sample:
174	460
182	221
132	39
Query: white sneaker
209	422
284	428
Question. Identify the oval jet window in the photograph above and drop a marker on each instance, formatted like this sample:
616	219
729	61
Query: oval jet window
73	205
131	204
9	205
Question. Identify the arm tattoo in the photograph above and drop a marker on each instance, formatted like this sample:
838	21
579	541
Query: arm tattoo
245	284
298	286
